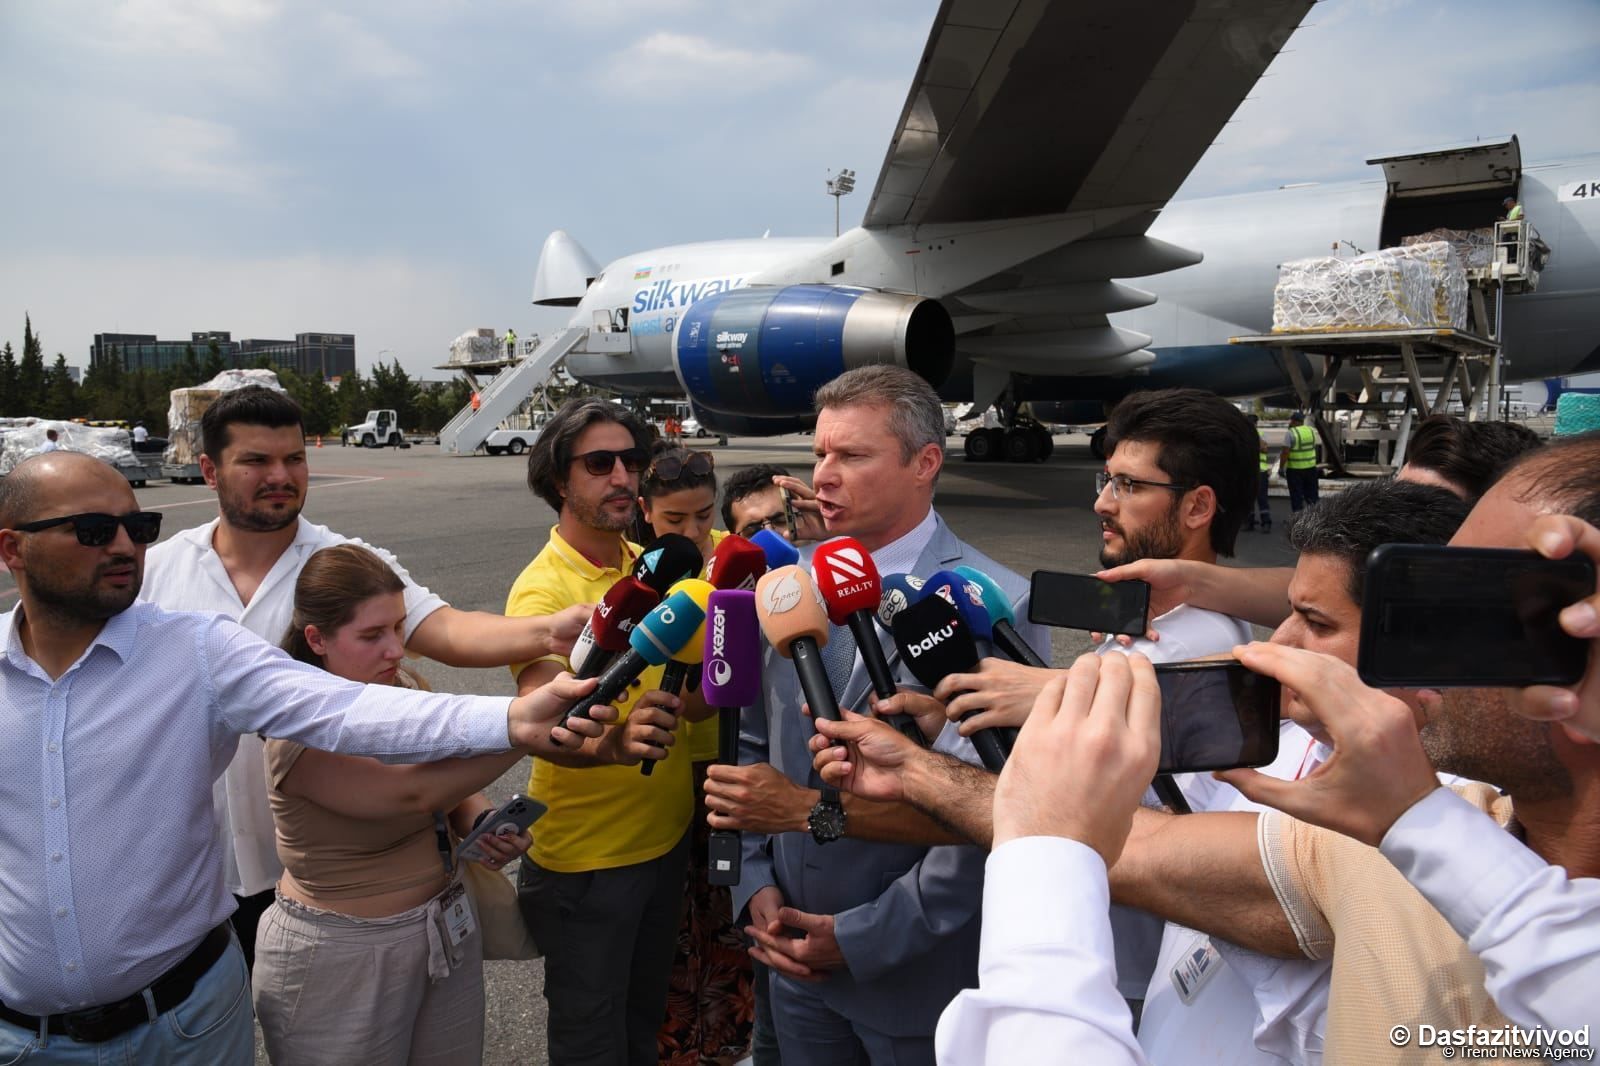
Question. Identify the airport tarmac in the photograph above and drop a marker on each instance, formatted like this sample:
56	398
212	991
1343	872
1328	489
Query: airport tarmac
465	527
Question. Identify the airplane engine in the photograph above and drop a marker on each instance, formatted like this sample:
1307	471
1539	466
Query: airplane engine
755	356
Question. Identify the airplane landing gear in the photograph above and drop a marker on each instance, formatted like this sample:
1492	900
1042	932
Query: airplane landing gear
1023	441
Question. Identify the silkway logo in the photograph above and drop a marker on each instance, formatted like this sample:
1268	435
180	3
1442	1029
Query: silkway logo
726	339
931	641
721	671
662	294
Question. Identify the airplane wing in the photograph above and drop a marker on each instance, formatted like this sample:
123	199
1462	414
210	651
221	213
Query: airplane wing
1069	108
1040	107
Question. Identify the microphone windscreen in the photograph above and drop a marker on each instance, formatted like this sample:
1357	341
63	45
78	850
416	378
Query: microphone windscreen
788	608
933	640
667	628
736	564
666	561
899	592
619	610
995	600
732	676
693	649
966	598
846	577
778	550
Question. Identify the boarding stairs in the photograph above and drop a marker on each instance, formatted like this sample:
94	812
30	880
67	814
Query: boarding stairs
506	392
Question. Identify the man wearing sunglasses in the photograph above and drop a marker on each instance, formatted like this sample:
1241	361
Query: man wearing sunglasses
118	718
603	885
245	564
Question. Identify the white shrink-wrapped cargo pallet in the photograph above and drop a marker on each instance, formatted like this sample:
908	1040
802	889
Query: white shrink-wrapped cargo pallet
478	346
107	443
1474	247
1378	290
187	405
1449	280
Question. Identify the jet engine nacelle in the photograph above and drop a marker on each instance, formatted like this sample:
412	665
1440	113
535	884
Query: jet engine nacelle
756	355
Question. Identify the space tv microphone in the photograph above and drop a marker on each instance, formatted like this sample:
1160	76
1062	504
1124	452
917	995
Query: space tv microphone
935	642
731	680
606	634
791	616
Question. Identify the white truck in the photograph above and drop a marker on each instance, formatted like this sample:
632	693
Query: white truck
380	428
515	441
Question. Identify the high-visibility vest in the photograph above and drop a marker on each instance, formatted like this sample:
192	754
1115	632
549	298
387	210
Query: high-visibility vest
1266	456
1515	213
1303	456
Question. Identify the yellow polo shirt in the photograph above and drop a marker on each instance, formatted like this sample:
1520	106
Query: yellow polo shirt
600	817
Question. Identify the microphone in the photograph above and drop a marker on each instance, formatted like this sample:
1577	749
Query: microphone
1002	619
966	596
689	655
935	642
666	561
791	616
731	680
899	592
736	564
778	550
847	579
606	633
653	641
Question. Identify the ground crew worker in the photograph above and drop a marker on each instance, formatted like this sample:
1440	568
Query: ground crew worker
1299	462
1513	208
1262	519
511	344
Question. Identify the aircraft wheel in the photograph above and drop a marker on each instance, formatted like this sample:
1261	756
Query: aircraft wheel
982	445
1047	443
1020	445
1097	443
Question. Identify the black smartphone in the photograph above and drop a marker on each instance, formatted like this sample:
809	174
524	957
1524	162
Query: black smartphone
1216	715
790	517
1079	601
517	815
1438	617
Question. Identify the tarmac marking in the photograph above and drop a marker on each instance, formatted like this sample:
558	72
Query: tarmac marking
342	481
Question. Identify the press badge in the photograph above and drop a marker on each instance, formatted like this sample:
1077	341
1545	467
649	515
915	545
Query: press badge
1198	965
458	920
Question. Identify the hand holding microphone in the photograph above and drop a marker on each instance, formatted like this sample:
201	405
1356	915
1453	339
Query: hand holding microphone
688	655
606	635
653	641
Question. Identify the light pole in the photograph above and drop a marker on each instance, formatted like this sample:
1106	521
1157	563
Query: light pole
841	184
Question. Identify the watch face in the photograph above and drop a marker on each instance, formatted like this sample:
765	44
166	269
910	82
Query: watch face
827	822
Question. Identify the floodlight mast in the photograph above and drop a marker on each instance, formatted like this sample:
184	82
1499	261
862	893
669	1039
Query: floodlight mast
841	184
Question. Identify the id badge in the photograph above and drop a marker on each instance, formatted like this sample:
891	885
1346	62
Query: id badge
458	920
1197	965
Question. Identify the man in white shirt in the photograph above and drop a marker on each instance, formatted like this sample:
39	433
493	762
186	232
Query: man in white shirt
245	564
119	715
140	434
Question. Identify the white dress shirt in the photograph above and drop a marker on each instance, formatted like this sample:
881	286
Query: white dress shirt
110	868
1046	984
1536	931
185	573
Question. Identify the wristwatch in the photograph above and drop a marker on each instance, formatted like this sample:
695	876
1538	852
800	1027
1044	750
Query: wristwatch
826	820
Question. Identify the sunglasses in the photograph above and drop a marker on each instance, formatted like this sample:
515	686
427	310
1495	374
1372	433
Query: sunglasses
96	530
777	522
602	462
671	468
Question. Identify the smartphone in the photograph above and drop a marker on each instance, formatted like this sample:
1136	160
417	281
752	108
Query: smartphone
1079	601
1438	617
789	516
1216	715
518	813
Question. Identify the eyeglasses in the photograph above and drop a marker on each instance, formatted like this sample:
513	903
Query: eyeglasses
601	463
671	468
777	522
96	530
1122	486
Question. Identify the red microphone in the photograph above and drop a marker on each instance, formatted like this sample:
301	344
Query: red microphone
848	580
606	633
736	564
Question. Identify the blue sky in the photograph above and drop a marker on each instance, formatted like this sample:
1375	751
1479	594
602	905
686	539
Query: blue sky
391	168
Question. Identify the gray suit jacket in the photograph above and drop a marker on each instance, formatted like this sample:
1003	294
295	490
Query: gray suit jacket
907	918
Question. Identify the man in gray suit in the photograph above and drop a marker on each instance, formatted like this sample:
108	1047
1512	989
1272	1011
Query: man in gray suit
867	940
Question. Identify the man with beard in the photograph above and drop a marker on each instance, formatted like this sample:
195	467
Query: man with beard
118	717
602	887
244	565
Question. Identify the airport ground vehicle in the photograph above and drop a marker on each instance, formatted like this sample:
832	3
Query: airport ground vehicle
380	428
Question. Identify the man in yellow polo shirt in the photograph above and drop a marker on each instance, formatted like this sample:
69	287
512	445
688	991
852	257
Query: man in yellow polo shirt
602	885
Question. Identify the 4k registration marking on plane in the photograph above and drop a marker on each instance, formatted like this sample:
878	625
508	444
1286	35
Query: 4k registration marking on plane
1579	190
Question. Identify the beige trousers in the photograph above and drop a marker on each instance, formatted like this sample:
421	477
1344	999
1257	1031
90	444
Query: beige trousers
331	990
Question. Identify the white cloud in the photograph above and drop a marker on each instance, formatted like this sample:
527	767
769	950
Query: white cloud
360	51
672	63
192	26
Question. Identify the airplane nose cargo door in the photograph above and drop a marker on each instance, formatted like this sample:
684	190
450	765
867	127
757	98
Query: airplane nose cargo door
1459	188
564	273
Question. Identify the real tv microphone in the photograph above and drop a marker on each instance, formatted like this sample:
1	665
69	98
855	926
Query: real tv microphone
736	564
966	596
606	633
689	655
934	643
666	561
847	579
731	679
794	622
1003	619
653	641
777	548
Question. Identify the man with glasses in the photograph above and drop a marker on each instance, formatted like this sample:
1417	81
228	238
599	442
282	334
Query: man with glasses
118	716
602	886
751	502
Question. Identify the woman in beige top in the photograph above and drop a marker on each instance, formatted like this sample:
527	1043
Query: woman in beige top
364	956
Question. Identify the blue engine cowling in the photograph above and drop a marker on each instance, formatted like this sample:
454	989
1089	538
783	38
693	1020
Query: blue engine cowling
750	359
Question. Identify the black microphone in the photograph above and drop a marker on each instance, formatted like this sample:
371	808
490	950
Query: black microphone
666	561
935	642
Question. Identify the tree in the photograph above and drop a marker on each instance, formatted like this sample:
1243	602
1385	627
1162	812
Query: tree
30	372
215	363
392	387
103	392
350	399
318	406
60	391
8	381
